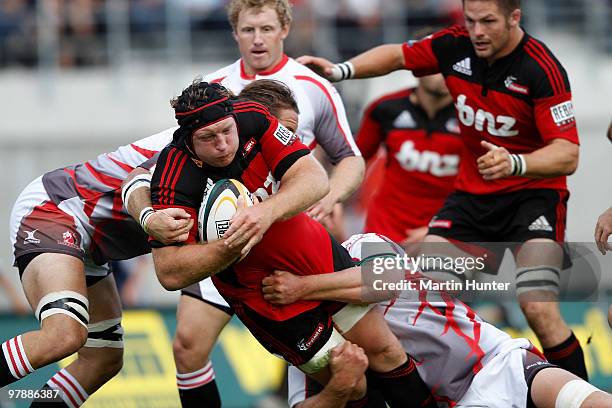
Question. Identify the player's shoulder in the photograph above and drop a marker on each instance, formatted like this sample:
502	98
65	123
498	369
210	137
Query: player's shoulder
454	36
219	75
252	117
542	69
305	75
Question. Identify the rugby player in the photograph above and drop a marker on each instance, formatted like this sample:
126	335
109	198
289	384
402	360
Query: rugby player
419	131
224	137
465	361
517	122
260	28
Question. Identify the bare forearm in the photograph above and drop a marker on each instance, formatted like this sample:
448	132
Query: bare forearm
346	177
180	266
559	158
378	61
327	398
139	198
341	286
303	184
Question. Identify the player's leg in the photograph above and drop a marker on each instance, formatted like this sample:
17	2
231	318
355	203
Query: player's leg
101	358
198	325
54	285
391	370
558	388
539	264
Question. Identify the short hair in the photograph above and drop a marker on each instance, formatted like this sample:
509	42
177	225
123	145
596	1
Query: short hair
282	8
506	6
274	95
199	93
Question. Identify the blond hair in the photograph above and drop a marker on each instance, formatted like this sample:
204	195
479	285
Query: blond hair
282	8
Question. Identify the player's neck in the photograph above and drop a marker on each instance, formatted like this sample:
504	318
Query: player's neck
250	71
515	38
430	102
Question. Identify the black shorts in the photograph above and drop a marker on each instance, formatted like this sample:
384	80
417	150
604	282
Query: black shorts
533	363
513	217
296	340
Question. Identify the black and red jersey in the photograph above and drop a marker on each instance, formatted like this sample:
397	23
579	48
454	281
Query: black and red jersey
521	102
266	151
422	161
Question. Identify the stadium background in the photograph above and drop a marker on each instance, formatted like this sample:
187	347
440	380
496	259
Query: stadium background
81	77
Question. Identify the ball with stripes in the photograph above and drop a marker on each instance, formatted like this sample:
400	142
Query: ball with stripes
219	204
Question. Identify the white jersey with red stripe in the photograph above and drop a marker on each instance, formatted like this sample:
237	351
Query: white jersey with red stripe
449	342
322	118
89	193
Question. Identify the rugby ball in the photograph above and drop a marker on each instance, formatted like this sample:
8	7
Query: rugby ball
219	204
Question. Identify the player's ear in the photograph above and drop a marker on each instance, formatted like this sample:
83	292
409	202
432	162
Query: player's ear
285	31
235	35
515	18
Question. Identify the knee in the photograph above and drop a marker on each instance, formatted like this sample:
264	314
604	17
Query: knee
112	362
62	336
187	347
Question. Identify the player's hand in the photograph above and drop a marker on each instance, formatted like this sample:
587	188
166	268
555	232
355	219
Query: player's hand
494	164
323	208
247	226
282	288
603	229
321	66
170	225
347	363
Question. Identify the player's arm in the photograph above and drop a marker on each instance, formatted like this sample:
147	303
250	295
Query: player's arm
377	61
558	158
347	364
178	265
303	182
166	225
343	286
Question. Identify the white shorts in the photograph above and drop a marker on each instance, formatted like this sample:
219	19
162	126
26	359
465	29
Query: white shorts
206	291
501	382
38	225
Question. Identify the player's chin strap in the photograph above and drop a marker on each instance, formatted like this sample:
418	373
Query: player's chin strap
107	333
66	302
574	393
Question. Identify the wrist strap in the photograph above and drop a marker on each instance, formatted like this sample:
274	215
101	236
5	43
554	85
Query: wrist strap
342	71
518	165
143	219
141	180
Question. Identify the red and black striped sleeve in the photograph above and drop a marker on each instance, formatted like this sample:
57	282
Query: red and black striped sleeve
551	93
424	57
177	183
280	147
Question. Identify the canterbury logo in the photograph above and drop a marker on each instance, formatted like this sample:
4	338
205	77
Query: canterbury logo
464	66
541	224
500	125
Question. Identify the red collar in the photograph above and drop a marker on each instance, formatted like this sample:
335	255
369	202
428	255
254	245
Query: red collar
273	70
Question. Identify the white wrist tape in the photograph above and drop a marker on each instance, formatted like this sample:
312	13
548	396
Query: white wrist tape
342	71
141	180
145	214
518	165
